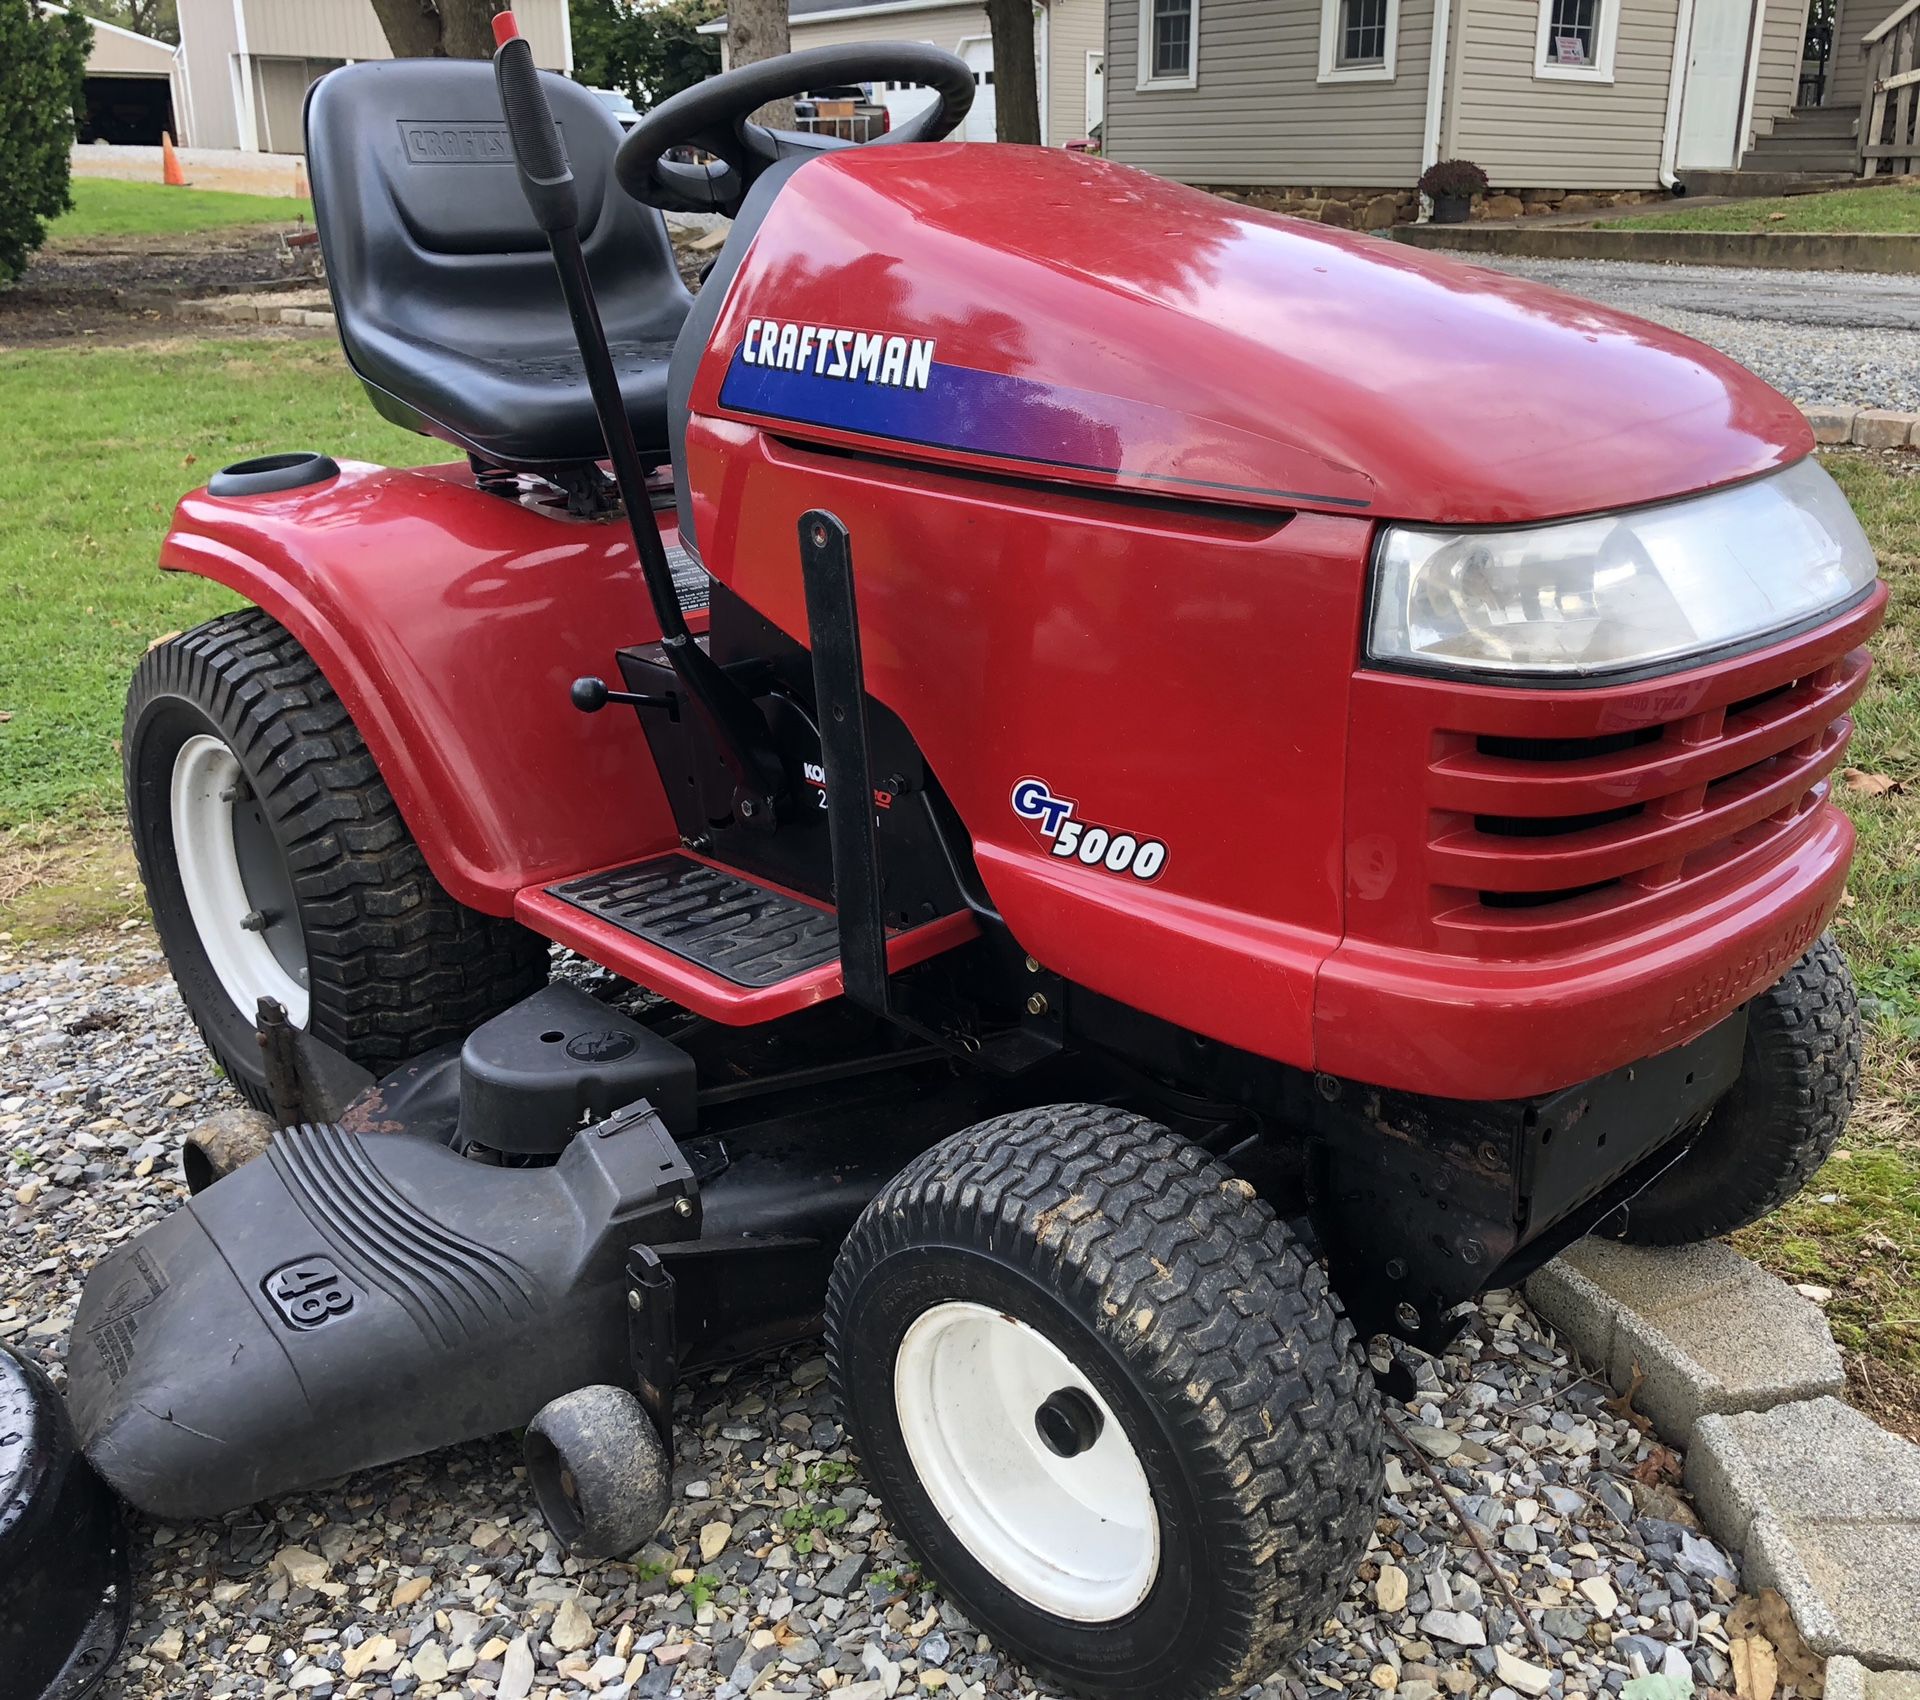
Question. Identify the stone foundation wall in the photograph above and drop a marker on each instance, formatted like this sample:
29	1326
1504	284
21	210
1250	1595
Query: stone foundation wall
1377	208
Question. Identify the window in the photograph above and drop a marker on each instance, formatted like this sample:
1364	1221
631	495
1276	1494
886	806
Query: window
1358	40
1575	41
1169	44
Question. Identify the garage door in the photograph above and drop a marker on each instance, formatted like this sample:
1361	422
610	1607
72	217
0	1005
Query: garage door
980	126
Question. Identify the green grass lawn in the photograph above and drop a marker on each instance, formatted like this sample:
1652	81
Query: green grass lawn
104	440
1876	211
1856	1229
105	206
101	444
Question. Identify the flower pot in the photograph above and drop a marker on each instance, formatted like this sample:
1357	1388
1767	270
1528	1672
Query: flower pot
1451	209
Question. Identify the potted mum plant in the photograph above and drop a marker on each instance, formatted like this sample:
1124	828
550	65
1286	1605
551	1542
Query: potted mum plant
1452	184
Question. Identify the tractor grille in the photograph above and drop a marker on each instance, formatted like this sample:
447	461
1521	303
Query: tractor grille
1529	837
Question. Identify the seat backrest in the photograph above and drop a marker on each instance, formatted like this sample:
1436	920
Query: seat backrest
428	238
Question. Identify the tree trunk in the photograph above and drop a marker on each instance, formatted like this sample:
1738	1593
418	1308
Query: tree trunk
756	30
1016	85
437	29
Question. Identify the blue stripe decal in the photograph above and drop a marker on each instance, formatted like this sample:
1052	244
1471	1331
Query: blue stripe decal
986	413
961	408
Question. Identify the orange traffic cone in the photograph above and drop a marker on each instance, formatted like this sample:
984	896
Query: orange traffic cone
170	171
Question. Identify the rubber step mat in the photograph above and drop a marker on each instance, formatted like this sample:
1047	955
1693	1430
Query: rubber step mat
717	920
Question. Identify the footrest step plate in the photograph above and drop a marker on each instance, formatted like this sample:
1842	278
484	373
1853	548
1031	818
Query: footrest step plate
717	920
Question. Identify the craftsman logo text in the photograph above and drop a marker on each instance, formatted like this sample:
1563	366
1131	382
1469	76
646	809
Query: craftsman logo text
867	357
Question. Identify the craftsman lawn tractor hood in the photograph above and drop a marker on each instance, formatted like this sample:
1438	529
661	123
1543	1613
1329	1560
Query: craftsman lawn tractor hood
1049	315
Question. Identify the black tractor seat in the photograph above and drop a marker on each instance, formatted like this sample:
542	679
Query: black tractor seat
448	305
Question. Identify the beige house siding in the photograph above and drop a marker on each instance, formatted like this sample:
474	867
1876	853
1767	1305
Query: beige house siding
1526	131
944	26
209	39
1783	35
1258	115
287	43
1847	64
1075	28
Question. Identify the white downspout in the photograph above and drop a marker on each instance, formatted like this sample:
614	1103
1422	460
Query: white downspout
1676	84
566	38
1436	91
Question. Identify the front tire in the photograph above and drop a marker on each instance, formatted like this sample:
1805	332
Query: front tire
276	863
1764	1139
1109	1399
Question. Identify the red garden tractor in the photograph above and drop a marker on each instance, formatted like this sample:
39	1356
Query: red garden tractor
1157	793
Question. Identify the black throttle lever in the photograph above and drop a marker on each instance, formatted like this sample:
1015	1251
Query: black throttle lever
760	792
590	695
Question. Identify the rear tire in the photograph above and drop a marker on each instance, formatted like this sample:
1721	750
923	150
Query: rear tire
387	963
1110	1400
1764	1140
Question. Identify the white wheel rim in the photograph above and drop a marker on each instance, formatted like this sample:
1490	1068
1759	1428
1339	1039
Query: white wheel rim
205	772
1074	1535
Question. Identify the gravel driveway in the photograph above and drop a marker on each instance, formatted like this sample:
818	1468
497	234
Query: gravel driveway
777	1575
1849	337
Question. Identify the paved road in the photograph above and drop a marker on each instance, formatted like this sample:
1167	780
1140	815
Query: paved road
1818	336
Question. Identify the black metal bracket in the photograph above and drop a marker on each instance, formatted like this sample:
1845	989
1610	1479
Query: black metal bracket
307	1080
651	1341
839	682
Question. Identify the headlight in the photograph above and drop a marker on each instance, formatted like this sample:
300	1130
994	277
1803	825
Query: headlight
1622	590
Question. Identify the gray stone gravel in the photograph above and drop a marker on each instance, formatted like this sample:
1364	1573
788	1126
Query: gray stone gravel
1847	337
776	1574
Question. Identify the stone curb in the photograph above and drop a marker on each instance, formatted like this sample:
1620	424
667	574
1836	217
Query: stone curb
1707	1330
1849	1679
245	310
1790	251
1824	1506
1821	1503
1863	427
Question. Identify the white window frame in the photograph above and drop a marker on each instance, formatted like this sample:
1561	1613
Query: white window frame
1600	71
1143	67
1332	71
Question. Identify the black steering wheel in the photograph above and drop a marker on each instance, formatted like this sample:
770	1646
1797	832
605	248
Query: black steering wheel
712	116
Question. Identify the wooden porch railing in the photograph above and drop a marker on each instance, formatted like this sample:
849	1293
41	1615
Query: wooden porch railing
1890	102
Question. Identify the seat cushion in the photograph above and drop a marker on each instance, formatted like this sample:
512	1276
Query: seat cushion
447	301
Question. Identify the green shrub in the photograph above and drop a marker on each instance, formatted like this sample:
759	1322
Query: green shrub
43	66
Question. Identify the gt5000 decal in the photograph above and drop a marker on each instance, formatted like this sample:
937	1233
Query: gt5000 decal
1075	840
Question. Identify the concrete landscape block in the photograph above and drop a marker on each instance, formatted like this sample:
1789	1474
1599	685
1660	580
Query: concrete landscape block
1823	1505
1849	1679
1882	428
1707	1330
1831	424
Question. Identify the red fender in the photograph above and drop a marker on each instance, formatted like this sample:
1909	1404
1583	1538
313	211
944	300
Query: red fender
451	622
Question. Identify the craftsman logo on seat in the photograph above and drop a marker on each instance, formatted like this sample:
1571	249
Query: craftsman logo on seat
430	143
867	357
309	1292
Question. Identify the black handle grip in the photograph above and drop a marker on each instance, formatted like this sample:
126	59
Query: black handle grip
545	177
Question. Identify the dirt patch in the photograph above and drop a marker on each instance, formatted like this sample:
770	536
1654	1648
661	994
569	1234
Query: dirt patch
127	288
57	886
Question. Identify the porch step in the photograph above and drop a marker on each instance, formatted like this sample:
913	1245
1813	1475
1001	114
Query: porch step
714	939
1818	121
743	932
1746	184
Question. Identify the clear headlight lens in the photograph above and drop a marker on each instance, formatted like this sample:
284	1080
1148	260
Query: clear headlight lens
1622	590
